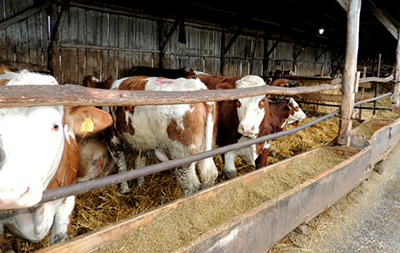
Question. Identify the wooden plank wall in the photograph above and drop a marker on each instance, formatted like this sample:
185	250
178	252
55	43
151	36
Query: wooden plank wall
102	44
26	41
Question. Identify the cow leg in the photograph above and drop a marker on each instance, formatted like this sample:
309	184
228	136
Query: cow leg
62	221
115	146
262	159
5	246
229	165
120	162
187	178
140	162
208	172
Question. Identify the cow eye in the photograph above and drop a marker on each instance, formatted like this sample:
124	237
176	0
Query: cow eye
55	127
262	102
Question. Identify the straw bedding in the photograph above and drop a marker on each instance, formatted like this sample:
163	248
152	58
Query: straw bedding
106	206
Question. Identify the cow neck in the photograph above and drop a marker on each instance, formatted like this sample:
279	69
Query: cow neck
68	169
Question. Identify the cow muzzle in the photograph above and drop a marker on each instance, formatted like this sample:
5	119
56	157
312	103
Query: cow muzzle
248	130
19	197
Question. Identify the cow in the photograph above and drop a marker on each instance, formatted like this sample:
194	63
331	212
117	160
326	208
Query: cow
171	131
5	75
95	160
239	119
281	113
160	72
92	82
229	129
39	152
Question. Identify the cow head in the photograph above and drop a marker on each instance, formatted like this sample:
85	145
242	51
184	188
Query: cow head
251	110
92	82
296	114
33	141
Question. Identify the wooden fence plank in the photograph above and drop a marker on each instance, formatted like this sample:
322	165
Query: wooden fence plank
35	95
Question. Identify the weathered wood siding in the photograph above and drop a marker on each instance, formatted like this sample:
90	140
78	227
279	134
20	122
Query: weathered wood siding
102	44
26	41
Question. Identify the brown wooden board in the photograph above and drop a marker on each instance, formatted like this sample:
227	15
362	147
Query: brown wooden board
260	228
381	140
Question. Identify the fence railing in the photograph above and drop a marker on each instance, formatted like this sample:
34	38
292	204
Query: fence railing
93	184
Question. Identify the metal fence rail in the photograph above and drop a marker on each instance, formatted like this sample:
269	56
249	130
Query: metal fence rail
98	183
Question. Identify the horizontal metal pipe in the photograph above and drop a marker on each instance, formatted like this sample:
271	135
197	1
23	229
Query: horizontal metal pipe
98	183
155	168
329	105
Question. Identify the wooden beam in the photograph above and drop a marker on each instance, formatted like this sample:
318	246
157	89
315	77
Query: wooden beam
396	90
163	44
321	54
265	57
298	53
57	21
274	45
37	95
230	43
344	4
385	18
171	33
349	74
24	15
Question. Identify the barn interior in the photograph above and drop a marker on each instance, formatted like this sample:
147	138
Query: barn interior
109	37
303	41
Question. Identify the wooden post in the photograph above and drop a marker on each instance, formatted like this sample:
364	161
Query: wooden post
57	20
265	57
363	89
222	63
396	90
377	83
349	74
163	44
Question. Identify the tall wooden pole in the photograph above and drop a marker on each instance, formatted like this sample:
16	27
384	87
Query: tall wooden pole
349	74
395	96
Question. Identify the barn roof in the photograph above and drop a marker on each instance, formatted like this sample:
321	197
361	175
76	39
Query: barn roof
286	20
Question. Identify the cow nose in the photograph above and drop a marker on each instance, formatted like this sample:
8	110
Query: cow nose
247	129
2	154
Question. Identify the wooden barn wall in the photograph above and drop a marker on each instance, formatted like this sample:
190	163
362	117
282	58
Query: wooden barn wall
102	44
201	52
26	41
308	63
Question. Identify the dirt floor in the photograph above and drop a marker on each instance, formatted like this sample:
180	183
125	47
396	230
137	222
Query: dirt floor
366	220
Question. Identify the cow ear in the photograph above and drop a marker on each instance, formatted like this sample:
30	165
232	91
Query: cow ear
86	119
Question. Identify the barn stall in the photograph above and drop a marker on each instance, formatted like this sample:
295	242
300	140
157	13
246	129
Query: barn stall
106	47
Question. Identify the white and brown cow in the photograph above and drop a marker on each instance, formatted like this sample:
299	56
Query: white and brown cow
39	152
281	113
172	131
239	118
232	118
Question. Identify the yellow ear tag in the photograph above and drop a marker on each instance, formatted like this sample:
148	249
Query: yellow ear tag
87	125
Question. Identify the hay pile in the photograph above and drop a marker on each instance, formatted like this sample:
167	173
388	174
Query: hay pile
178	227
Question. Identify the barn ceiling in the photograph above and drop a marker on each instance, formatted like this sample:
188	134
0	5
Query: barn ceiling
296	21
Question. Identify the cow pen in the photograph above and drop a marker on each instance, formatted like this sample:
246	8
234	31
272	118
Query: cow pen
319	46
257	218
